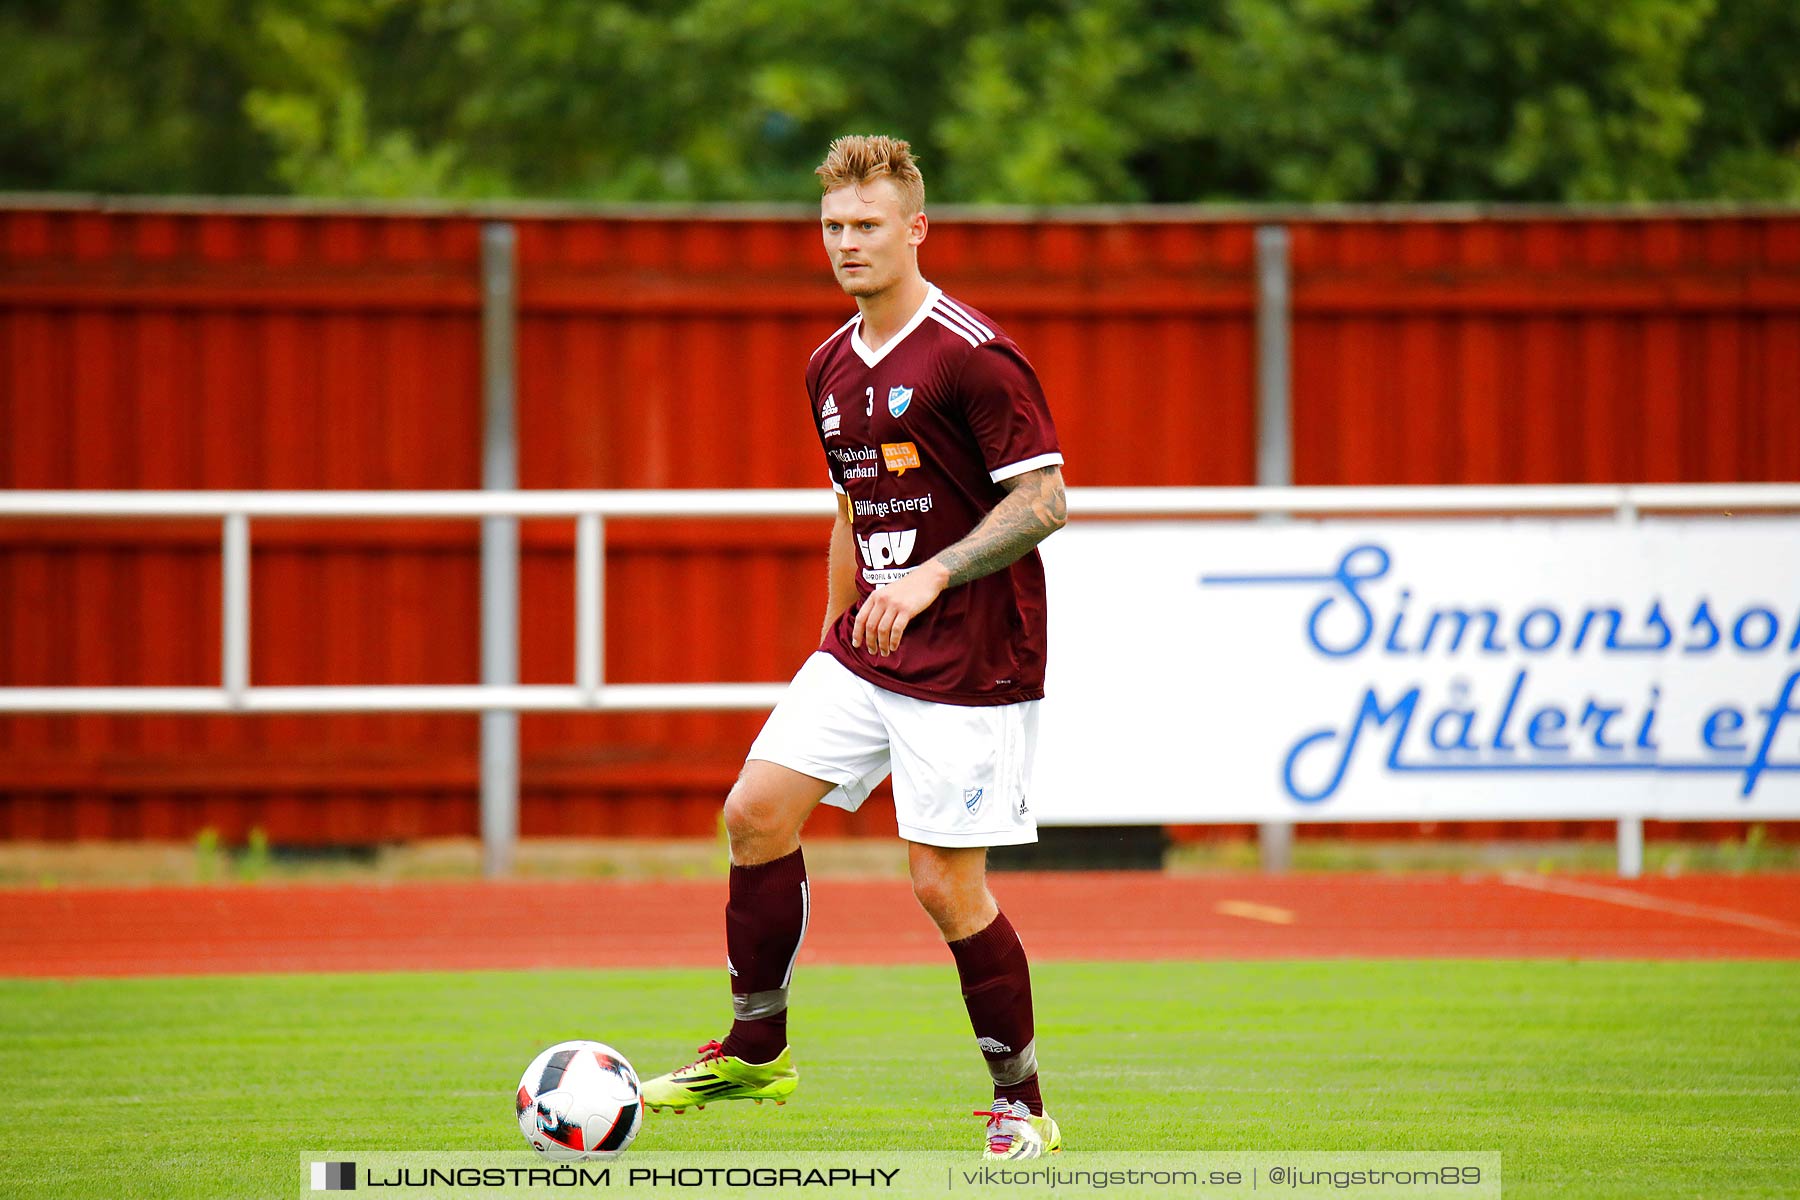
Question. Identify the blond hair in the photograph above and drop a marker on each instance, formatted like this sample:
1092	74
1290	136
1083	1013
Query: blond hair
858	158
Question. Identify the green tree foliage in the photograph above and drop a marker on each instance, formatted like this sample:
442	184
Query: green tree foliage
1099	101
111	95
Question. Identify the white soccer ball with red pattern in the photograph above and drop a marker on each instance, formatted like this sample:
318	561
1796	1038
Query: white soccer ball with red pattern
579	1100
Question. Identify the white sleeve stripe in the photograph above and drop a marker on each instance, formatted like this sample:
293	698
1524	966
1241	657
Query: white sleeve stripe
834	337
958	330
966	315
947	317
1031	464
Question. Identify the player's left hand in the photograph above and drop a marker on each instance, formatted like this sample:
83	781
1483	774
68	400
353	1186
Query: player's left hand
882	620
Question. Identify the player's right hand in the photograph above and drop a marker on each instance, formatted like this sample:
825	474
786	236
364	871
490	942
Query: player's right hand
882	620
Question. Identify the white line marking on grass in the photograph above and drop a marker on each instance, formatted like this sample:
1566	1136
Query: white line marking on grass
1629	899
1254	912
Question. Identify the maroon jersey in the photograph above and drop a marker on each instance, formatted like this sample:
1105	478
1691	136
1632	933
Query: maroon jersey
919	435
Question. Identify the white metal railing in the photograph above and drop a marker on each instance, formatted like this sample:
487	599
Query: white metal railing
588	691
589	510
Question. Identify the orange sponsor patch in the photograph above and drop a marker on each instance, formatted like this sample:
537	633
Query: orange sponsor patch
900	456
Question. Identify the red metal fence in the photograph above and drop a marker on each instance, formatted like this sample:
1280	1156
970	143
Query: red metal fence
286	349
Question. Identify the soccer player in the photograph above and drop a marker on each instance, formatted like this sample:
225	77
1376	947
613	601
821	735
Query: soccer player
941	450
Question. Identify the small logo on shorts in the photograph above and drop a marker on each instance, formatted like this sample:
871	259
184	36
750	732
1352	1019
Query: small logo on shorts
972	798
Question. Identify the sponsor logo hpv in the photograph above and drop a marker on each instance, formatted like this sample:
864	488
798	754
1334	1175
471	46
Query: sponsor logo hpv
888	548
886	553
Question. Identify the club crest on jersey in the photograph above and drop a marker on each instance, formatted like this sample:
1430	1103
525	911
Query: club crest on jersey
899	400
972	798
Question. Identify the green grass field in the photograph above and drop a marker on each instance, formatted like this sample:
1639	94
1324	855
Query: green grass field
1592	1078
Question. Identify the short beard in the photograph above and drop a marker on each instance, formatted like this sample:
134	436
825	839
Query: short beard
861	288
864	285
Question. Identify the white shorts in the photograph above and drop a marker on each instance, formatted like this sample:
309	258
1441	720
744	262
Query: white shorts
961	772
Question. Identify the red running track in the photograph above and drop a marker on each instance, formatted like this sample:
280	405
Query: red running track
425	926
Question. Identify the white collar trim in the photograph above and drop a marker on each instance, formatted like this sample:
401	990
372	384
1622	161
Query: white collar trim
871	357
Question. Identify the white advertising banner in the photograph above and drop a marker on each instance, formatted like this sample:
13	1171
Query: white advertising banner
1425	670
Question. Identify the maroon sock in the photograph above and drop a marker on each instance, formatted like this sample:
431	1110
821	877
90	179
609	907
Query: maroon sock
996	986
765	921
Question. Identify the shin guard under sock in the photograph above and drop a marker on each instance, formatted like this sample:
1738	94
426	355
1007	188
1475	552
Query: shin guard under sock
996	987
765	922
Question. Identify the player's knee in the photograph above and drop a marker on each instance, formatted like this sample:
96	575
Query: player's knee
752	818
938	894
743	821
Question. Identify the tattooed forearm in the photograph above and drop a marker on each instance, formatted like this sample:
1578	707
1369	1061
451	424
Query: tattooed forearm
1034	509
